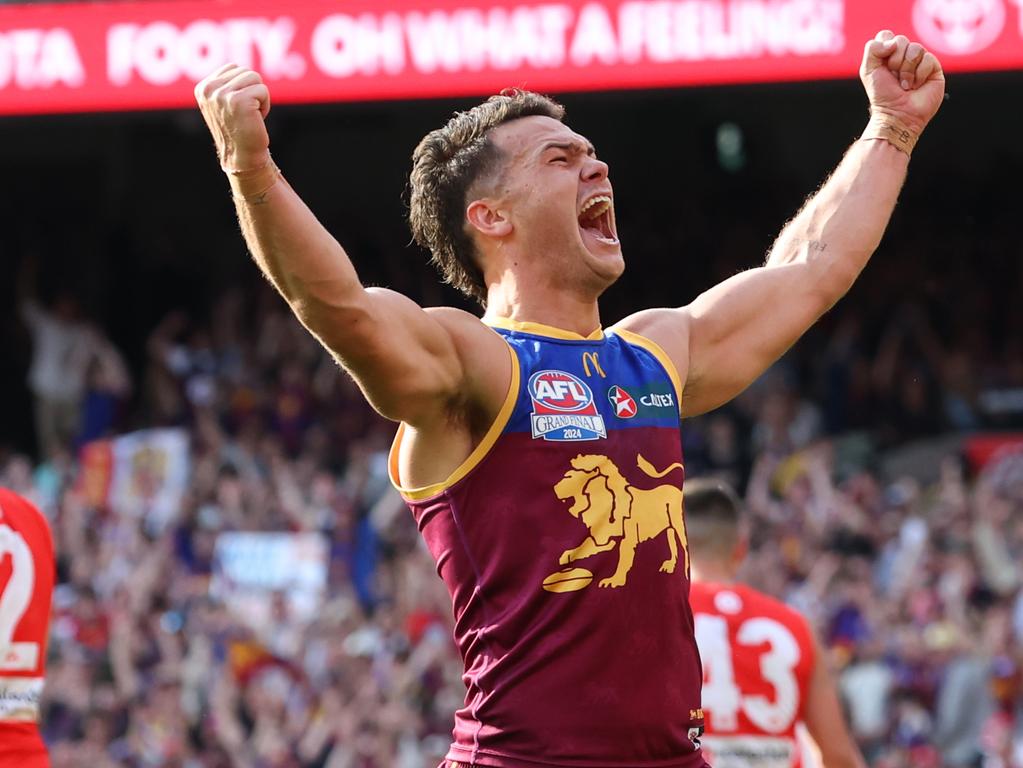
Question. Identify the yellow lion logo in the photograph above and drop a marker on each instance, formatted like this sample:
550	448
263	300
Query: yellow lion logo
617	513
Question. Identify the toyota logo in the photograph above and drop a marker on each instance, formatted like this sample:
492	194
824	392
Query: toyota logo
959	26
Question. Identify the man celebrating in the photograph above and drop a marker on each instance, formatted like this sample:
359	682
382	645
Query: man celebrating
539	453
26	588
763	671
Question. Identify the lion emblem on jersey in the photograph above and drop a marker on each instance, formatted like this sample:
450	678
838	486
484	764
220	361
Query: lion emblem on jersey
617	514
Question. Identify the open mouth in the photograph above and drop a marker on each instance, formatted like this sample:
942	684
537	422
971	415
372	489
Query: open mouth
595	218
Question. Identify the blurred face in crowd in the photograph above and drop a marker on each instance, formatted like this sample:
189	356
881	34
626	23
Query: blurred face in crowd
97	730
552	197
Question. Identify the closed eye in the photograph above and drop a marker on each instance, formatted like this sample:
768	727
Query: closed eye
566	151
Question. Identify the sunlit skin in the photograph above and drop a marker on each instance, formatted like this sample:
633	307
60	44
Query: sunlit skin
445	375
526	224
448	377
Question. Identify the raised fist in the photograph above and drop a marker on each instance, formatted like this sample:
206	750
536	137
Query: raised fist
902	79
235	102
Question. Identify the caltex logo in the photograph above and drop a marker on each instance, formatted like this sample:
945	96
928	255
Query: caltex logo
959	26
625	405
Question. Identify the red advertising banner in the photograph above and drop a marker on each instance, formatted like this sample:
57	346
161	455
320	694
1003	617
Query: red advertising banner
145	55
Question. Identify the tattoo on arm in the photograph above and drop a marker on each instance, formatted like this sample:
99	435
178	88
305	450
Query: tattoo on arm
791	254
260	199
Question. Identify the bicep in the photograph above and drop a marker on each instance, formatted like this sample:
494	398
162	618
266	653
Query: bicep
404	359
741	326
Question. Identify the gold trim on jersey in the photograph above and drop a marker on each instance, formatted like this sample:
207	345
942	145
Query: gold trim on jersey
474	458
539	329
655	349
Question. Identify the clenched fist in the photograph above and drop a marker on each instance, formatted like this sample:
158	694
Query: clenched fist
235	102
903	80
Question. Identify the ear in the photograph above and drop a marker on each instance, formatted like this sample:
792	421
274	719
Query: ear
488	219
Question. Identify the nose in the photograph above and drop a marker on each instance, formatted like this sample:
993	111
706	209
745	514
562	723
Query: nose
594	169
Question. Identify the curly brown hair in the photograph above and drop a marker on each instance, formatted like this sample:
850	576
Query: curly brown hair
445	165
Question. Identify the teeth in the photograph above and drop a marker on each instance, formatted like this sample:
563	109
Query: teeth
595	206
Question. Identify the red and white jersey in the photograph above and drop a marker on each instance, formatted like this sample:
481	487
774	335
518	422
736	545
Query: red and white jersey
758	656
26	588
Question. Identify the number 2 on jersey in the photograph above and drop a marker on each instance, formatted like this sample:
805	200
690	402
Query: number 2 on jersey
722	697
15	597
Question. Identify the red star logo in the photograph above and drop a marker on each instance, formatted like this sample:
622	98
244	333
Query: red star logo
625	406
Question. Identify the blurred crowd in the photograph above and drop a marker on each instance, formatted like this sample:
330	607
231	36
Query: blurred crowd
864	514
146	668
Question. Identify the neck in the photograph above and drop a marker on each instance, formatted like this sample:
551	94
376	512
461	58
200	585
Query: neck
520	299
717	573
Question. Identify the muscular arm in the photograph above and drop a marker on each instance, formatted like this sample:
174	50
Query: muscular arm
741	326
405	359
847	216
731	333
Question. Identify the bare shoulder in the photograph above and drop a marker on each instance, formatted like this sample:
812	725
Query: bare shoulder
668	327
448	325
461	324
484	355
422	367
477	343
435	447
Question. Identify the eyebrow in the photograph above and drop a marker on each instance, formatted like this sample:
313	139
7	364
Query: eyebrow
570	146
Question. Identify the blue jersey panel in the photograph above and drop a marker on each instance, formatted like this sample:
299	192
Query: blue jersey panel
580	390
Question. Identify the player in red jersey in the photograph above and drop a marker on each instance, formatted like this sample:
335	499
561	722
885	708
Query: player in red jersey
26	587
520	450
764	674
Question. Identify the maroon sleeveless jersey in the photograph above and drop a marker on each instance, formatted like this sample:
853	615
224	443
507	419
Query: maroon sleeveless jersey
562	542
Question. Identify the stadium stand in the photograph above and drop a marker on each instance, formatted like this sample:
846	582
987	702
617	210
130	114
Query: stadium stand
877	458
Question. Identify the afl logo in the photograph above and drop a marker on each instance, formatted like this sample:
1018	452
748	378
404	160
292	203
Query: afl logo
563	408
560	391
959	26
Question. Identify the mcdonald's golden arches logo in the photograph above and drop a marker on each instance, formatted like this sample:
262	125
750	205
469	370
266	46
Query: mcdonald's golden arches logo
591	359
